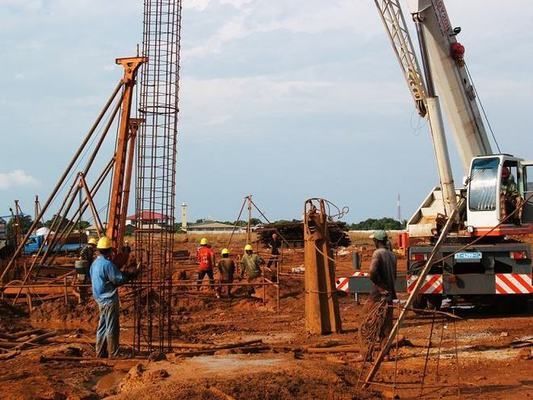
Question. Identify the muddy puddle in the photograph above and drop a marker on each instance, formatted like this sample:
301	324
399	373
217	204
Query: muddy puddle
232	363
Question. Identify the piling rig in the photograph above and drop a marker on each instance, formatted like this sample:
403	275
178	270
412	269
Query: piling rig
79	194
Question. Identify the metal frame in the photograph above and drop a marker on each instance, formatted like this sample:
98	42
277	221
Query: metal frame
156	172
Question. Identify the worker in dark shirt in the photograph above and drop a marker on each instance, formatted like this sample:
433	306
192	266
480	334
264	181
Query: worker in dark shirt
226	269
275	245
87	252
510	199
383	275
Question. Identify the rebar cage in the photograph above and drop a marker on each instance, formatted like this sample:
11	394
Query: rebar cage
156	174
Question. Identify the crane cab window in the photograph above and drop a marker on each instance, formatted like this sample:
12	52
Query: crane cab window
527	215
483	184
529	179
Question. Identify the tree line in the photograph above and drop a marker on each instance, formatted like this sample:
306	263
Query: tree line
385	223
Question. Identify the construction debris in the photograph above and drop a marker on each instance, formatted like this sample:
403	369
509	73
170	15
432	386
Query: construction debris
293	232
24	340
525	341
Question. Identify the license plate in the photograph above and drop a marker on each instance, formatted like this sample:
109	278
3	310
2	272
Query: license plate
468	256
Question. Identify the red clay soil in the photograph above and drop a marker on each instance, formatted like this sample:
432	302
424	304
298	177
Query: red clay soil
472	358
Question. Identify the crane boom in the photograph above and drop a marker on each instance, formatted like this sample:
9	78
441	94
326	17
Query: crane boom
427	103
451	79
394	22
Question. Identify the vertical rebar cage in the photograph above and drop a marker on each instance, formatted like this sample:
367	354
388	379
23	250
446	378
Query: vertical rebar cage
156	174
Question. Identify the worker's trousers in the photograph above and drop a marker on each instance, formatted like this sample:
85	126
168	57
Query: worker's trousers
107	334
202	274
273	260
225	289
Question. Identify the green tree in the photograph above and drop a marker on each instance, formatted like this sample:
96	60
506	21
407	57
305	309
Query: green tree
58	222
83	224
24	224
375	224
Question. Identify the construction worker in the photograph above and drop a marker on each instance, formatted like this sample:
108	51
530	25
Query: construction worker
274	244
382	273
124	257
87	252
105	279
126	249
510	198
226	268
250	264
206	261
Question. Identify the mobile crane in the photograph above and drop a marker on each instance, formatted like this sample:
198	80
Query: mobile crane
482	258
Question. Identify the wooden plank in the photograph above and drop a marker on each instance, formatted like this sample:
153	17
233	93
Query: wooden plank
35	340
207	346
9	355
338	349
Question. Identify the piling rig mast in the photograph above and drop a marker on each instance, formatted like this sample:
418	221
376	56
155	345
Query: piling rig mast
76	186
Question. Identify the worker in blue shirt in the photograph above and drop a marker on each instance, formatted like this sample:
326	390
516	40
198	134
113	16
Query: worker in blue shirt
105	279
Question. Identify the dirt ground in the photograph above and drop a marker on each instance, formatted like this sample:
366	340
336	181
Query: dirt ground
471	357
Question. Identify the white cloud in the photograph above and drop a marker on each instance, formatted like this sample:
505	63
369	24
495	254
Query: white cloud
233	29
14	178
62	10
220	101
26	5
201	5
297	16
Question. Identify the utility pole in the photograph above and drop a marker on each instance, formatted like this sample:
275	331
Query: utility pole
184	217
37	209
17	229
249	227
399	209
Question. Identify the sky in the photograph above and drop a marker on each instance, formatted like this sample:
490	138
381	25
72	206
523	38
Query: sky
284	100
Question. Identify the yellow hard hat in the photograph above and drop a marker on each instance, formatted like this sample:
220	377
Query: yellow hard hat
203	241
224	251
104	243
248	247
92	241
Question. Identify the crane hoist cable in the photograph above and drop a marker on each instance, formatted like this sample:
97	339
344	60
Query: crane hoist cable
482	108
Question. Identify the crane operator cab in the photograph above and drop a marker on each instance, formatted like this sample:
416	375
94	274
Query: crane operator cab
500	198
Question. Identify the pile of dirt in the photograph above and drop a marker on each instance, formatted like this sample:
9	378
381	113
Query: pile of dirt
239	377
57	312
